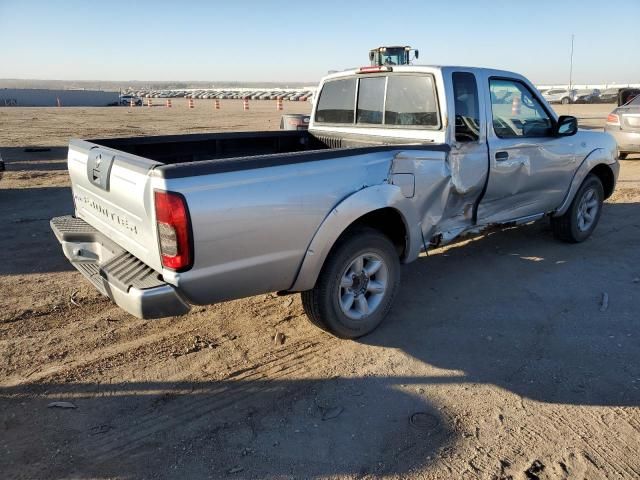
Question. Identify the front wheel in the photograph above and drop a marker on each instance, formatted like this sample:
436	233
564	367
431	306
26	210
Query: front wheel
357	285
566	101
580	220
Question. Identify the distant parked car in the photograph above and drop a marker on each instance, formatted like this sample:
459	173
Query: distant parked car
587	96
610	95
296	121
559	95
126	100
626	95
624	124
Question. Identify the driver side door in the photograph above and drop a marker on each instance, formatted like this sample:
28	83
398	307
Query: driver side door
529	167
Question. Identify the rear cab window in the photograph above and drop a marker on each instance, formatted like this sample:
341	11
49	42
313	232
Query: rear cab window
370	100
337	101
392	100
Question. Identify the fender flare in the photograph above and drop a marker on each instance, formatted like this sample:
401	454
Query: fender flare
342	216
598	156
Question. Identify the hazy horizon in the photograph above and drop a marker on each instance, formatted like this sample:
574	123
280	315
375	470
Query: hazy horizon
275	42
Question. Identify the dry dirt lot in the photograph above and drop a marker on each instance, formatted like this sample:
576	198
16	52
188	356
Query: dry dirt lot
498	361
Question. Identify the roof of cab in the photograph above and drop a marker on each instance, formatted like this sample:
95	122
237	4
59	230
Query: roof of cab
427	69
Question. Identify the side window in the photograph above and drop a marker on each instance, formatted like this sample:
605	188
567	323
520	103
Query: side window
370	100
337	101
411	100
465	92
516	112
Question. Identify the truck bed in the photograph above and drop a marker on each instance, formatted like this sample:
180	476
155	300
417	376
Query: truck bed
172	149
200	154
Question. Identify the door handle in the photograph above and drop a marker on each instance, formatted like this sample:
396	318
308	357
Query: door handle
502	156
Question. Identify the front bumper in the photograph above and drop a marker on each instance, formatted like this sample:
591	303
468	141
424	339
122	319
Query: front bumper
131	284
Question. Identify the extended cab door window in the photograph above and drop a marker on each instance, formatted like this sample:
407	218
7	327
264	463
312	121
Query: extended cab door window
516	112
467	111
337	101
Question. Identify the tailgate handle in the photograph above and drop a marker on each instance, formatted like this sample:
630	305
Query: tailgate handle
99	166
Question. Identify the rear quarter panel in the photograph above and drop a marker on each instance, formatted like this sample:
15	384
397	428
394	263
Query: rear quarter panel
251	228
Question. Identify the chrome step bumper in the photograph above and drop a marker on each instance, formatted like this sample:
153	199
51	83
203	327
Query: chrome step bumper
130	283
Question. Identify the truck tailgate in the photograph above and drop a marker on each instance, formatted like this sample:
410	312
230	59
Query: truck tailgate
112	192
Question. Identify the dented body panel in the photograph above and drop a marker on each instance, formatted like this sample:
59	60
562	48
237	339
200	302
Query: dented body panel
252	228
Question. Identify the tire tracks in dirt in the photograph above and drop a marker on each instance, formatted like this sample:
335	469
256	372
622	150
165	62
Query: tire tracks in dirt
239	389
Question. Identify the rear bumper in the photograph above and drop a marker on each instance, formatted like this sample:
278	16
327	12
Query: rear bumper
628	142
131	284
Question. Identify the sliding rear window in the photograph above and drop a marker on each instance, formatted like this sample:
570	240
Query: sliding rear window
410	101
370	100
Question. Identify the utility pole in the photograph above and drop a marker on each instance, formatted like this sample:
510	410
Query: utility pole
571	64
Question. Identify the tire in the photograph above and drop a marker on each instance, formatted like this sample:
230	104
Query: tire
332	304
566	101
623	156
570	227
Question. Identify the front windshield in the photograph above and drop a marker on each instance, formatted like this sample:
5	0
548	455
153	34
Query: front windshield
392	56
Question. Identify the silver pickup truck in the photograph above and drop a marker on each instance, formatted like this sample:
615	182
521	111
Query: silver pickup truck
396	160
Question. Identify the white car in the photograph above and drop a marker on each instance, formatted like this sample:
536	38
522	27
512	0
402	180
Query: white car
560	95
127	99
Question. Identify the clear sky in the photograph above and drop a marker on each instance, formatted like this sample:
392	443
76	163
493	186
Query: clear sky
301	41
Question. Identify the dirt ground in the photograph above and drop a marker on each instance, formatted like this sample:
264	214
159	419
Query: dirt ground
499	360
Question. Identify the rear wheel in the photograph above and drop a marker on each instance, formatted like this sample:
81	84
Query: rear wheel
582	217
357	285
566	100
623	156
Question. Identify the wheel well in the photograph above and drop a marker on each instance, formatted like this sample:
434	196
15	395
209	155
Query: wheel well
604	173
390	223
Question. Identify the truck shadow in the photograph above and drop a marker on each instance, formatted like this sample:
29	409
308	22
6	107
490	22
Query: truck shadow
27	244
514	308
522	311
35	158
247	428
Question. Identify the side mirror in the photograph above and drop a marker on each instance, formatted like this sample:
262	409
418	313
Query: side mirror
417	54
371	54
566	126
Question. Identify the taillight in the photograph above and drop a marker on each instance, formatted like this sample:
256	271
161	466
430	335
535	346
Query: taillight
174	230
613	119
